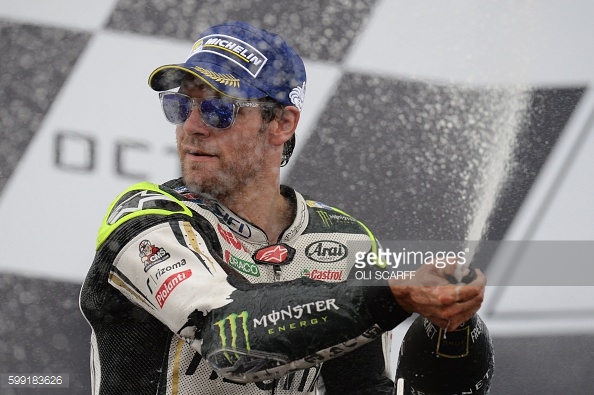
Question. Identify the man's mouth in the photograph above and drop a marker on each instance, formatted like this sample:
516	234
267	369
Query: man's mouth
200	153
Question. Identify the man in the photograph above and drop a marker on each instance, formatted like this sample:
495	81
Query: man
210	284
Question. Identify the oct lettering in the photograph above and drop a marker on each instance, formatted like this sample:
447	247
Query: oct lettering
78	152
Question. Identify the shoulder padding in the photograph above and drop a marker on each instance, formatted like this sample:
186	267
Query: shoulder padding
139	200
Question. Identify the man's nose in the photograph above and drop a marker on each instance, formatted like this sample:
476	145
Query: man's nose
195	125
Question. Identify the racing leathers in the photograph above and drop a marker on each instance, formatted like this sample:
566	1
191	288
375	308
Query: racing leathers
186	297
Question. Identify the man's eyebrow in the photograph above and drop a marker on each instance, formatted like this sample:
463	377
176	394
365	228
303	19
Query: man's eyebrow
191	84
197	84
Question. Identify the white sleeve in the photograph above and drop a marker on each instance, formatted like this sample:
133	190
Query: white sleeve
168	271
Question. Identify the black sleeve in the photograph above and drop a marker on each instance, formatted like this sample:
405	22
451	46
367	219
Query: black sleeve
361	372
239	343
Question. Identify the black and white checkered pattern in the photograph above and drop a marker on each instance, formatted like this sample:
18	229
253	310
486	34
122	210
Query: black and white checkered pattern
413	110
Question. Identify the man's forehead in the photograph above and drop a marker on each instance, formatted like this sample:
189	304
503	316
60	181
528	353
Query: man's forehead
196	84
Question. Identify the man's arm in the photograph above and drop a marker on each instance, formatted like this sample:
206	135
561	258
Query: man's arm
319	321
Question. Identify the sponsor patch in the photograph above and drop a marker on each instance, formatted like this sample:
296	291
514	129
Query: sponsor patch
278	254
297	96
242	265
230	238
160	272
328	219
236	325
323	275
170	284
239	52
235	223
143	200
326	251
151	255
296	316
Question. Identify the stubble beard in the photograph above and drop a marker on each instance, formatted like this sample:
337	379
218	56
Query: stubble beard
232	176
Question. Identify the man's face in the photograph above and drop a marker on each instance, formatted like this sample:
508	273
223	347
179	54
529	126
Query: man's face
220	162
146	249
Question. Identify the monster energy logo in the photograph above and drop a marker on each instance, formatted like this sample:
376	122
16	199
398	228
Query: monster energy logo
233	327
327	219
324	217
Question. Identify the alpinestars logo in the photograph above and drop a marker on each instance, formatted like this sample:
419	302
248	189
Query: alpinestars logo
141	201
278	254
151	255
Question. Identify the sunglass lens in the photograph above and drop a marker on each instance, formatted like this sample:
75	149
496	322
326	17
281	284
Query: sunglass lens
176	107
217	113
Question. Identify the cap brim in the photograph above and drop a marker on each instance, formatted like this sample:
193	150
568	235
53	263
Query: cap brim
170	76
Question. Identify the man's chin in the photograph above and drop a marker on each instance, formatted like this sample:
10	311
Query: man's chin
217	189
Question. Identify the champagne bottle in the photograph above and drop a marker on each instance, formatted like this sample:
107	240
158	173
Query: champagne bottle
432	362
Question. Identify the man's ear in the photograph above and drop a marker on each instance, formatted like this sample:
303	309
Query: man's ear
286	122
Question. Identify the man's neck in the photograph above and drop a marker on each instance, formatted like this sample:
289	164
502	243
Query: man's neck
265	207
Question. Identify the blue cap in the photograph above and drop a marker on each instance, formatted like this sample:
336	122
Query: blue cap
240	61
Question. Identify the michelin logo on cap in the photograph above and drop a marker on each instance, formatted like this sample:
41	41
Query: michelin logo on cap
233	49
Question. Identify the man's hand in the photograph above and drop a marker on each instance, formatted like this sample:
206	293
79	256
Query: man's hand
430	294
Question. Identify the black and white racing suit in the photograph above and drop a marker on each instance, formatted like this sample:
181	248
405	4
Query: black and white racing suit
178	304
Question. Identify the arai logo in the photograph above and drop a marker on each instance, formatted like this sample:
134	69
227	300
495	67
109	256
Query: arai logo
326	251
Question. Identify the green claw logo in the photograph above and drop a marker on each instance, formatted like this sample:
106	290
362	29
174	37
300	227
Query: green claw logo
233	327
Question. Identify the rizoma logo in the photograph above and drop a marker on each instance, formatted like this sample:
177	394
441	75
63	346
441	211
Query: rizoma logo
242	265
324	275
326	251
170	284
169	268
232	324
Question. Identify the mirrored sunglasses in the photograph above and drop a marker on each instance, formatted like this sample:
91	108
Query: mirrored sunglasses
215	112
